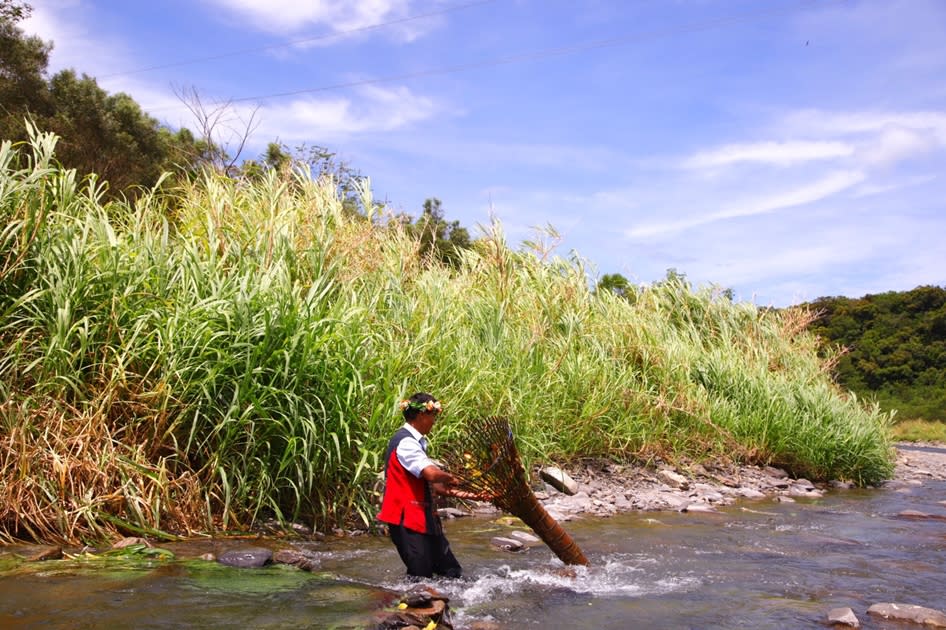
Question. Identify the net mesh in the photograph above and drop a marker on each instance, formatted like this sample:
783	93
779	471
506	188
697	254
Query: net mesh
488	465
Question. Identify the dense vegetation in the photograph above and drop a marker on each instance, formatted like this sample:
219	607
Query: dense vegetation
232	348
894	348
106	135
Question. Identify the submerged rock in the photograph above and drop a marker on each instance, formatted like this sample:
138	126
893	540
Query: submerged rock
843	617
38	553
507	544
921	516
252	558
911	613
305	560
525	537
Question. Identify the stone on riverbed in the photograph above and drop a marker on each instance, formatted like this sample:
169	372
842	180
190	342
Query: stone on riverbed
507	544
559	479
421	607
38	553
525	537
673	479
251	558
909	612
843	617
920	516
305	560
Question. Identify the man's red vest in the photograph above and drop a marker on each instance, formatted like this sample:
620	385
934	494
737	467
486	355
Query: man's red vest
407	499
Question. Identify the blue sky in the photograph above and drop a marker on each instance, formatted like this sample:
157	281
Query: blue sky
785	149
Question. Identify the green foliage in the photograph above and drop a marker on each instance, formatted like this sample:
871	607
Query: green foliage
318	163
107	136
895	348
920	431
234	350
23	62
616	284
440	240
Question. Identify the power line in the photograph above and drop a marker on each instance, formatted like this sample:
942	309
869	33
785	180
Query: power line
297	42
539	54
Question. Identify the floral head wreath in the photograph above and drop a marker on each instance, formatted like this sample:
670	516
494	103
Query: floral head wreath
430	405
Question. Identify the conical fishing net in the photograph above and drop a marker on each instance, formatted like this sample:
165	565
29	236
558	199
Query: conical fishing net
488	465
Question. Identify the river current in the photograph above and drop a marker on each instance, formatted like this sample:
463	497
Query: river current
754	564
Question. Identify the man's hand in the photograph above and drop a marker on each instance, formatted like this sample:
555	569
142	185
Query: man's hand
436	475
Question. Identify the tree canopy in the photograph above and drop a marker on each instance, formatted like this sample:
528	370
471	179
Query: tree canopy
895	347
103	134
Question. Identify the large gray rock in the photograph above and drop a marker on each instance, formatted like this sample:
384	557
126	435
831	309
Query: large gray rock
559	479
843	617
250	558
909	612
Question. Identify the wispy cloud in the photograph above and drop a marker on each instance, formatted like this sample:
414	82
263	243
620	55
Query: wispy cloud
824	123
73	39
287	17
336	119
774	153
772	202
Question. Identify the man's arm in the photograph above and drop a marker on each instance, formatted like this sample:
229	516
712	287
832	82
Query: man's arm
434	474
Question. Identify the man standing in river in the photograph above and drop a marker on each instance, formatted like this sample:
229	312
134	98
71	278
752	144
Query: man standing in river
410	478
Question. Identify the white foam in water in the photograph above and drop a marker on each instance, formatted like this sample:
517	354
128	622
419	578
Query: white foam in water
622	576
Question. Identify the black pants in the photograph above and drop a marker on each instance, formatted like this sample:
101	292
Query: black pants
424	554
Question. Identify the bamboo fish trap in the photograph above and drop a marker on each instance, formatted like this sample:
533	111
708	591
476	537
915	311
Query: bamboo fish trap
488	466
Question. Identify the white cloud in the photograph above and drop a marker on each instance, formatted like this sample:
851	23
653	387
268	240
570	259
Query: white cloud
772	202
339	16
73	42
775	153
883	187
895	144
334	119
809	122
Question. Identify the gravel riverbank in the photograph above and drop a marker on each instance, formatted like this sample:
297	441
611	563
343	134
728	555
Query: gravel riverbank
604	488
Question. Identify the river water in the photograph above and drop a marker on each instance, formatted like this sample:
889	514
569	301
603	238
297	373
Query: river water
758	564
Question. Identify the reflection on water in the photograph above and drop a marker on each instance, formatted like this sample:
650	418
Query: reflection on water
753	565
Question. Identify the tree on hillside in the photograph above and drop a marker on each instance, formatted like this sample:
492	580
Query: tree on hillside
616	284
110	135
896	347
440	239
23	62
105	134
321	163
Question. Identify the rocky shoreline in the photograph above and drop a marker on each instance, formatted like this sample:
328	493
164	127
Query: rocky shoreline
602	489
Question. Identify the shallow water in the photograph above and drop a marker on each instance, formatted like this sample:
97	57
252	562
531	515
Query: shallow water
757	564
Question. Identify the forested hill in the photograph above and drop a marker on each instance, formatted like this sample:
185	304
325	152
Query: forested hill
896	348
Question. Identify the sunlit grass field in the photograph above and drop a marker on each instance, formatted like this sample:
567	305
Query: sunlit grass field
227	351
920	431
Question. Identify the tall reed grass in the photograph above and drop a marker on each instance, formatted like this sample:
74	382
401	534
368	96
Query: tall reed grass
227	351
